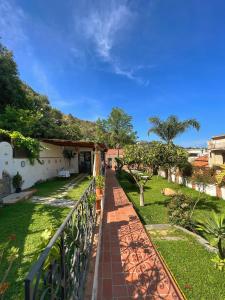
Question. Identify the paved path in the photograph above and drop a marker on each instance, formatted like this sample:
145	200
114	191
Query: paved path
60	199
130	267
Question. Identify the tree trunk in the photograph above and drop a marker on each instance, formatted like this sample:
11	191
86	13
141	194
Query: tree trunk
169	175
142	203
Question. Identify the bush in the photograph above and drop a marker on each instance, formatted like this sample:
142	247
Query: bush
100	181
17	182
186	169
180	210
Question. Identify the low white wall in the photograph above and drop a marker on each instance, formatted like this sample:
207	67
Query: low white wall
173	177
162	173
209	189
51	158
223	192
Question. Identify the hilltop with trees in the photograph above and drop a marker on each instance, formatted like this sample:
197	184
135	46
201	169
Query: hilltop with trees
25	110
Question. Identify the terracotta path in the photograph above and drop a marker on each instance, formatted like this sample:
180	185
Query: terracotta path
130	267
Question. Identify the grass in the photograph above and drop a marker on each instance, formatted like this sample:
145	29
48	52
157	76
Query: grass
191	265
27	220
189	262
76	192
51	187
155	209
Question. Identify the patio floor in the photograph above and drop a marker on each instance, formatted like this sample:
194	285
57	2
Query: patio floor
130	266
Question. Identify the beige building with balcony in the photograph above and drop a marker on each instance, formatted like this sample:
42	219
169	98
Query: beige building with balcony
216	147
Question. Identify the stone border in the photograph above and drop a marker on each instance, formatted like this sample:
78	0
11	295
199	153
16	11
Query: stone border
200	239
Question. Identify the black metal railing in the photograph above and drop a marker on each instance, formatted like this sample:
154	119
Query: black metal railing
60	271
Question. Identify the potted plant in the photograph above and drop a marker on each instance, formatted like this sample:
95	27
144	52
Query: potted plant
100	181
17	182
99	190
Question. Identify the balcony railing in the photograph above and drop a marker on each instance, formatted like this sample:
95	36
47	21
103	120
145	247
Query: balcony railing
60	271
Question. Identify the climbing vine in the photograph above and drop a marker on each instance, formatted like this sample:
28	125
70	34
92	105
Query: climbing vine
31	146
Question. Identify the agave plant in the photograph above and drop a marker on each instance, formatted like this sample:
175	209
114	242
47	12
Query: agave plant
215	226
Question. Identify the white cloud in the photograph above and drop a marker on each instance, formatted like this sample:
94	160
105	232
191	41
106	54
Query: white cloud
130	74
103	26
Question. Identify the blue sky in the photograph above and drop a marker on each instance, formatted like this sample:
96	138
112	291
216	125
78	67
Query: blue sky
151	58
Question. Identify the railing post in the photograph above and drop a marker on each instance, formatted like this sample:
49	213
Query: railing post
27	290
62	268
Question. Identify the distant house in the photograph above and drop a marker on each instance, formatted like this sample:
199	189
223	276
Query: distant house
52	161
194	153
201	162
216	147
110	156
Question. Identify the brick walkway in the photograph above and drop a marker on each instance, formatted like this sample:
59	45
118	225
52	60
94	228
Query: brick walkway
130	267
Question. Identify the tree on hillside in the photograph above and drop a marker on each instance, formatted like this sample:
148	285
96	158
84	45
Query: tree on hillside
169	129
101	131
24	110
11	91
120	128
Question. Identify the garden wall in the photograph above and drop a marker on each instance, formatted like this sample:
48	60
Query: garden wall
210	189
52	161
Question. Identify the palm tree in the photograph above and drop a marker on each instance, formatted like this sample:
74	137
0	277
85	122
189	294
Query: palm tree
169	129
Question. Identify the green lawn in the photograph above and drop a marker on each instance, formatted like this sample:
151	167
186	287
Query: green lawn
51	187
189	262
155	209
79	189
27	221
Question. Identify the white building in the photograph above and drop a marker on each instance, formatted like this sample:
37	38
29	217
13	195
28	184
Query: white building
194	153
51	162
216	148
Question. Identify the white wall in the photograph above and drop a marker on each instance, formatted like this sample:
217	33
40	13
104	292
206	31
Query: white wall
173	177
210	190
223	192
52	162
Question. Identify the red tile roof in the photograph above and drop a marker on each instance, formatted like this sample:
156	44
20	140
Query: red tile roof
201	161
114	152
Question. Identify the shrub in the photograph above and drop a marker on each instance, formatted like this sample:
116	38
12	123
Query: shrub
17	182
186	169
203	177
180	210
214	226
